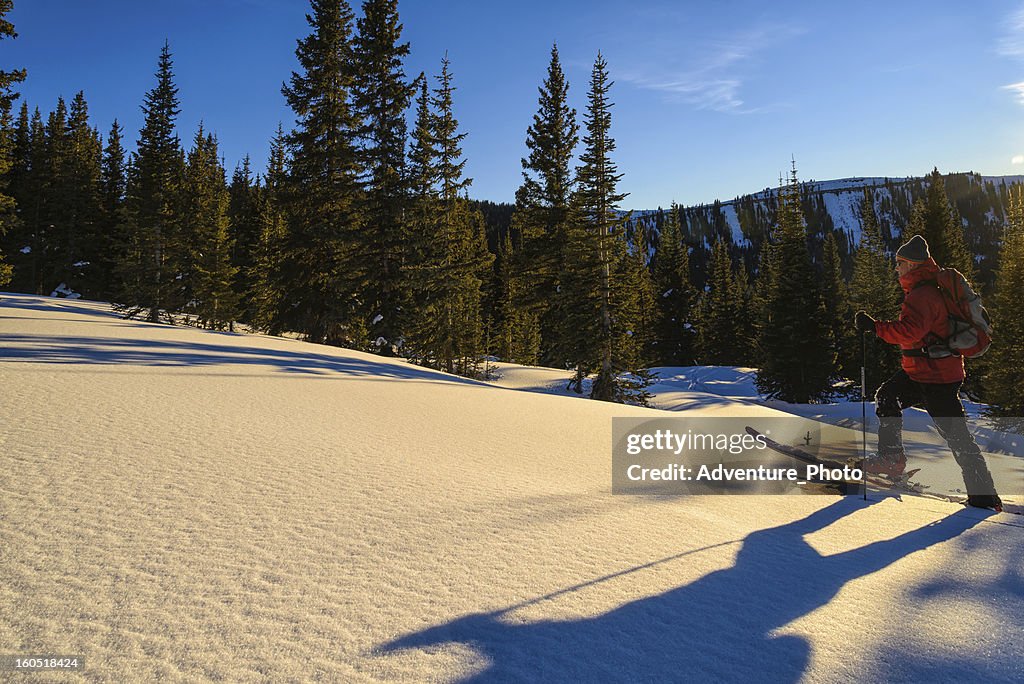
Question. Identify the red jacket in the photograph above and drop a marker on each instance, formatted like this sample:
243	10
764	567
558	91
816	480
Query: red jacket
923	313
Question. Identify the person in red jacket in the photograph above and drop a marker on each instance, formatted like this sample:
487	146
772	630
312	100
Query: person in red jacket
932	383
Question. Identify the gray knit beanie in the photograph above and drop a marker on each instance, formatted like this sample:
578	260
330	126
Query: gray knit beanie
915	250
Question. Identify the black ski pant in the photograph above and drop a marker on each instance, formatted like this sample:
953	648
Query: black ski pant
942	402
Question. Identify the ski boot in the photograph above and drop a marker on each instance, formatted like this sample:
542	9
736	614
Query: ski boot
991	501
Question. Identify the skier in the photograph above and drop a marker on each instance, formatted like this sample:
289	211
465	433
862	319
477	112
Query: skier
933	383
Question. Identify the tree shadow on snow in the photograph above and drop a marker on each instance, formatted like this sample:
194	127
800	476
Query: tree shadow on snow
52	304
164	353
718	628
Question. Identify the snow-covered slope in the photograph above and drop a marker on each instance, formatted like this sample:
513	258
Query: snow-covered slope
184	504
729	391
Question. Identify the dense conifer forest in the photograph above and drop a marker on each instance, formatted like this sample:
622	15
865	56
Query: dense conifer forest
362	231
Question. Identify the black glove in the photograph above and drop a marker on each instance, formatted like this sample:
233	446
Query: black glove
863	322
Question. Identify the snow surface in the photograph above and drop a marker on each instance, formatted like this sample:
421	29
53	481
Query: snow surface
729	391
183	504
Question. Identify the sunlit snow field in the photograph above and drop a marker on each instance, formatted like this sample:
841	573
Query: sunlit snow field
183	504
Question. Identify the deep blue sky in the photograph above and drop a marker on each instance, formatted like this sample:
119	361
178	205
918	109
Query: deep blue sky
712	99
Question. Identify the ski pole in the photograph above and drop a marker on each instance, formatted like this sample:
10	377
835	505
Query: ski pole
864	412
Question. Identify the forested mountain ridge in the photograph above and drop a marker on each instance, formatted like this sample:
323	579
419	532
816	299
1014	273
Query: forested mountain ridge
833	206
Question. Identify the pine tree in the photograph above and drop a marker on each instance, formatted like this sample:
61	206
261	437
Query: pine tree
1005	376
53	230
451	249
243	216
675	295
935	219
7	97
517	329
598	202
269	289
32	197
86	240
323	261
638	290
541	214
113	179
795	346
422	179
113	186
17	186
741	294
381	96
8	215
836	298
152	248
206	225
873	288
721	313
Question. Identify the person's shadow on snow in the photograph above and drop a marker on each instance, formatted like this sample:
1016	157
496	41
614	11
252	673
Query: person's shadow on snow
718	628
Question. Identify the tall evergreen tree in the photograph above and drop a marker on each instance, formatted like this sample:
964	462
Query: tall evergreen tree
152	248
423	202
795	341
598	201
721	320
1005	376
206	225
8	214
81	189
742	296
640	300
18	175
448	328
675	295
873	288
517	330
542	210
55	234
939	223
113	186
113	177
269	289
29	188
243	215
836	298
381	95
324	263
7	97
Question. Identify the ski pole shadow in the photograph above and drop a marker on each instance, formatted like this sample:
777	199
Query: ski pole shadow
718	628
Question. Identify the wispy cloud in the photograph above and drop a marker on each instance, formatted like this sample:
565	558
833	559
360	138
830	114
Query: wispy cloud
714	80
1017	89
1011	44
1017	159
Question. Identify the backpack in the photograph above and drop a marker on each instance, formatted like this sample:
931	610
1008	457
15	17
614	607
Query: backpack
970	329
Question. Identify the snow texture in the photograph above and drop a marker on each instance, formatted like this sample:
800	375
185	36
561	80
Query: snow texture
180	504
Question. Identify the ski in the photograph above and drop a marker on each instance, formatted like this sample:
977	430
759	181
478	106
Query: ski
903	484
